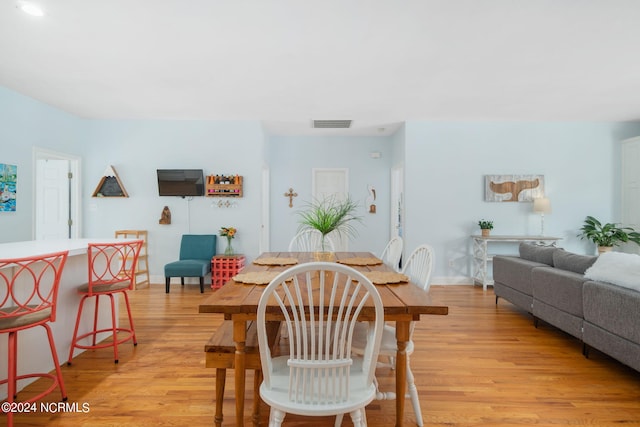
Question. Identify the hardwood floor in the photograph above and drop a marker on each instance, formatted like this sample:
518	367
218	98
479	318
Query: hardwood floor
481	365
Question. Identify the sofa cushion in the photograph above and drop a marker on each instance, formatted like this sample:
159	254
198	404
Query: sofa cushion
514	272
613	308
572	262
618	268
558	288
537	253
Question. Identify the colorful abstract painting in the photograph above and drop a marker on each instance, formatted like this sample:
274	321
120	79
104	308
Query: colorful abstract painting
513	188
8	179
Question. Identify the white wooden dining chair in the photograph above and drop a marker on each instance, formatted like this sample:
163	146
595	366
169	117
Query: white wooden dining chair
320	303
310	241
392	253
418	268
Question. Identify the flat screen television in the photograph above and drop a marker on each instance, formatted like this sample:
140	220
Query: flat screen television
180	182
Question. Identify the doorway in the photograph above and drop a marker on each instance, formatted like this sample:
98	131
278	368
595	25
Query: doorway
56	195
332	183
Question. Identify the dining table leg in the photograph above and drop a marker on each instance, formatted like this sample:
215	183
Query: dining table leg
402	337
239	337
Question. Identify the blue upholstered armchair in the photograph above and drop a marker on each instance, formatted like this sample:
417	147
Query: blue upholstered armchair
196	251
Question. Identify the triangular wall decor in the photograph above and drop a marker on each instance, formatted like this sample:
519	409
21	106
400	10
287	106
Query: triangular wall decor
110	185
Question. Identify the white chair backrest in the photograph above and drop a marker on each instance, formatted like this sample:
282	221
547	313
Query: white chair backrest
392	253
310	241
418	266
320	340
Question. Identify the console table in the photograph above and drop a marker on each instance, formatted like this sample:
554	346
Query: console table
482	256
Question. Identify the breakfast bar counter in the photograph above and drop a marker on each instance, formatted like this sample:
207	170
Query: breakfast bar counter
33	342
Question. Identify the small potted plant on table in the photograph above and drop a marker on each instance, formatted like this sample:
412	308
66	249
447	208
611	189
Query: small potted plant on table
330	215
608	235
485	227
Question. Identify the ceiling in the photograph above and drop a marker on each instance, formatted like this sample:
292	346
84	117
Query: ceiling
288	62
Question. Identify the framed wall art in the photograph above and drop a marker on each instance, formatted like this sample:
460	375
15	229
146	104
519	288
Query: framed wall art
8	179
513	188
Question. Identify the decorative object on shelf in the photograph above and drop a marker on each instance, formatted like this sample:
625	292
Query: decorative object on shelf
230	234
542	205
486	227
513	188
371	199
110	185
330	215
224	185
290	195
8	180
165	217
608	235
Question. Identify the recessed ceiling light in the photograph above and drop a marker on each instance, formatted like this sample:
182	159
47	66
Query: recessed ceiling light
30	8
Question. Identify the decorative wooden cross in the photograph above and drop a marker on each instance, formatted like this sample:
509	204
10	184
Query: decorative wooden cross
290	195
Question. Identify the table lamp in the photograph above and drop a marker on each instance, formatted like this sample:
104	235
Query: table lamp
542	206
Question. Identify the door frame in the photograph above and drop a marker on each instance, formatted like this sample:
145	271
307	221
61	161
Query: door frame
74	187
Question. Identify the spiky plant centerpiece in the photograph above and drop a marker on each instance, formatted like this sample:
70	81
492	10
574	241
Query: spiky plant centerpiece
328	215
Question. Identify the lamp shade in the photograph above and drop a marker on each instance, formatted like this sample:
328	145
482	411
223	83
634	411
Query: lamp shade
542	205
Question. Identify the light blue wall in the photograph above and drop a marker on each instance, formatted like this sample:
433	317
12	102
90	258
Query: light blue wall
445	164
292	160
24	124
137	148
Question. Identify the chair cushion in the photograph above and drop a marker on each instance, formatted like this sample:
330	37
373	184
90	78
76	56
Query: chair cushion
104	289
188	268
198	246
24	320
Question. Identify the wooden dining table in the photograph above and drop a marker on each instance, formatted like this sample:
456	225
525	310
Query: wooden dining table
403	303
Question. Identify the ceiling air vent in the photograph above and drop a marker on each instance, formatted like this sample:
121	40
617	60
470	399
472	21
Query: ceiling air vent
331	124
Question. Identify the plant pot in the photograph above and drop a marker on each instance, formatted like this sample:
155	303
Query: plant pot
324	256
603	249
485	232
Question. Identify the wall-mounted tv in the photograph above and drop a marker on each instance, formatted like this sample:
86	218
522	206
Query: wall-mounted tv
180	182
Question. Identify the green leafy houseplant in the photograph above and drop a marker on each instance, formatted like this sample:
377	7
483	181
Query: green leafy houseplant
485	225
329	215
608	234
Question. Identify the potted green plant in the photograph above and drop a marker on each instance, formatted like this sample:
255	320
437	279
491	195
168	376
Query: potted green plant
608	235
485	226
330	215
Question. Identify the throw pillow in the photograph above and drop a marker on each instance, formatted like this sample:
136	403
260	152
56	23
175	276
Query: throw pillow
618	268
572	262
543	254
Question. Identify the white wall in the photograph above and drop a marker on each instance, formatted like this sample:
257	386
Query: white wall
24	124
292	160
445	164
137	148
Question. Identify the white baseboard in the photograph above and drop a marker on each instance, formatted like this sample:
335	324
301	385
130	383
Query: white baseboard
452	280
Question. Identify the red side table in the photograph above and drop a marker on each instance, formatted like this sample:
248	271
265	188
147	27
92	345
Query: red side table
224	267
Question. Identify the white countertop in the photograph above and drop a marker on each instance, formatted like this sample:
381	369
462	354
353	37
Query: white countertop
41	247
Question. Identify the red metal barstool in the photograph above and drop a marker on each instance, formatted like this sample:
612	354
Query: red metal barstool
112	268
28	296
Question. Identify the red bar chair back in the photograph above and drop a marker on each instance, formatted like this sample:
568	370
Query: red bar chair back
112	268
28	296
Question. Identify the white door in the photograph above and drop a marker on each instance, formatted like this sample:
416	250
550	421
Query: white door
332	183
631	187
397	202
264	228
53	210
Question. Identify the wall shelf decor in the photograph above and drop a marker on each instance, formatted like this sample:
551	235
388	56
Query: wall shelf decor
110	185
224	185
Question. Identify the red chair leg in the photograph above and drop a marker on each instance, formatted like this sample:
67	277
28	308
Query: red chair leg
95	319
56	363
133	329
114	328
75	330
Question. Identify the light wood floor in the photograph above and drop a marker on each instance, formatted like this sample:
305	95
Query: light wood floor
481	365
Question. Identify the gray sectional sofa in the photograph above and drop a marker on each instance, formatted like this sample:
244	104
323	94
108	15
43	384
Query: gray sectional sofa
549	283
